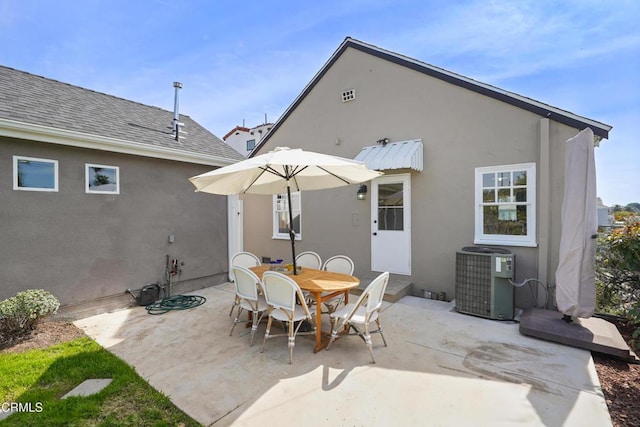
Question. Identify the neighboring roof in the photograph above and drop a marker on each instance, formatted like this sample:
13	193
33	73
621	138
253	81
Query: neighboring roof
544	110
246	129
37	108
394	155
235	129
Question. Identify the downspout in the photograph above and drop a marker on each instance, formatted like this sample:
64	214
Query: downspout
544	206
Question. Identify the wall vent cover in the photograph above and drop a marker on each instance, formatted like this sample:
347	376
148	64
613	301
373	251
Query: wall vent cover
348	95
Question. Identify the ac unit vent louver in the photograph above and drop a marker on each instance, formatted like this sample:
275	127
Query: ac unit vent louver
482	282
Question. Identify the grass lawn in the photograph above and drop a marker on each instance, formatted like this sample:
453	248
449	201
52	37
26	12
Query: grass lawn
39	378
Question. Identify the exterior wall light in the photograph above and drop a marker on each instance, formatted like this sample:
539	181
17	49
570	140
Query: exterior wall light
362	192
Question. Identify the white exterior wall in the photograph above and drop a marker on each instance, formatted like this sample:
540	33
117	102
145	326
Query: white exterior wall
238	139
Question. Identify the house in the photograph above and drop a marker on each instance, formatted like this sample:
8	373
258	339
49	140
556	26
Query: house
96	198
605	218
244	139
465	163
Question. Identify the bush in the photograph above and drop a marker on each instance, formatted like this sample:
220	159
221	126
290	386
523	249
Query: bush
20	314
618	272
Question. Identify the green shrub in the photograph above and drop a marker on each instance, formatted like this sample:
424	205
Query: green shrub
20	313
618	272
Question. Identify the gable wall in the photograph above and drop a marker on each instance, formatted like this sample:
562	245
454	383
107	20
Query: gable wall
84	247
461	130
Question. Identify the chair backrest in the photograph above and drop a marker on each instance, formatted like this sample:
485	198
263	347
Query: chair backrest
280	291
339	264
245	259
246	282
309	259
372	296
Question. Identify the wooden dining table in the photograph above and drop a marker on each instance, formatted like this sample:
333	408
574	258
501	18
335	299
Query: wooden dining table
323	286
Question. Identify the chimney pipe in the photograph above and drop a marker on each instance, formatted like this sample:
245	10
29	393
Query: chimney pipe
176	114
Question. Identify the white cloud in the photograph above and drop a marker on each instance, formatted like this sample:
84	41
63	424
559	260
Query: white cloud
494	41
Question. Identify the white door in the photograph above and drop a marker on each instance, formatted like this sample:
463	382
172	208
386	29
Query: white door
391	224
235	236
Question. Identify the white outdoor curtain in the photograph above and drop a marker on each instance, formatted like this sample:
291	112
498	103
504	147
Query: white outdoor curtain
575	276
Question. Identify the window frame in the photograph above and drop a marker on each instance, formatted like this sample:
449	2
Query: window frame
253	141
528	240
87	187
16	159
276	229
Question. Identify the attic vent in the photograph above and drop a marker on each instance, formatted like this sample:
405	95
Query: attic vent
348	95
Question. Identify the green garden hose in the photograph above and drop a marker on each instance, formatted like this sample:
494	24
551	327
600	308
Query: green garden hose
175	302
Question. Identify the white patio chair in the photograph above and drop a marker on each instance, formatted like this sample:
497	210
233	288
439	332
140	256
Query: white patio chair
247	286
280	292
245	259
361	313
338	264
309	259
242	259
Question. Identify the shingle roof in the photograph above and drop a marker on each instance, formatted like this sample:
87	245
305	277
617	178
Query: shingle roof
36	100
529	104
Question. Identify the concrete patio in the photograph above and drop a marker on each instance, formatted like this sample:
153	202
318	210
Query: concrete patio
441	368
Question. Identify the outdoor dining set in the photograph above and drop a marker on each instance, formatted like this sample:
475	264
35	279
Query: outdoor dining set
288	298
285	296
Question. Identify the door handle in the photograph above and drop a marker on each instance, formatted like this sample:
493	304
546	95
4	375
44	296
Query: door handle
375	234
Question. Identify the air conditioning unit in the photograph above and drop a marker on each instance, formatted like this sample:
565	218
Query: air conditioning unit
482	282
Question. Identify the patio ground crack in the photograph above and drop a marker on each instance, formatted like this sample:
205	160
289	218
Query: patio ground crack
228	412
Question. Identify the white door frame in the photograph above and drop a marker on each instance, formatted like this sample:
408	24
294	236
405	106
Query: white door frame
391	249
235	228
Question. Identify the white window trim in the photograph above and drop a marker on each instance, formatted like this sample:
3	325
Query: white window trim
86	179
35	159
496	239
276	233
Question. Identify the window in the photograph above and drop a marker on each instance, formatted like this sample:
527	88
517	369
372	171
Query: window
101	179
251	144
505	205
281	215
33	174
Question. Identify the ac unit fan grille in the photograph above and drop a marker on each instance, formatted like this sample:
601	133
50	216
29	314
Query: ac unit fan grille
473	284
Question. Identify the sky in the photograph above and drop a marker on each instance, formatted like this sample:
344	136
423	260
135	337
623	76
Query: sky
241	61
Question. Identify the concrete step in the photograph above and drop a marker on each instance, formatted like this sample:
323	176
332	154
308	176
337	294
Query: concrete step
397	287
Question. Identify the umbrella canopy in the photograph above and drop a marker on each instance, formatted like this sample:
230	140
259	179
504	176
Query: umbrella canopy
575	276
284	170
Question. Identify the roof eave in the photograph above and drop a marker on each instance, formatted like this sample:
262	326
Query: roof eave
33	132
601	130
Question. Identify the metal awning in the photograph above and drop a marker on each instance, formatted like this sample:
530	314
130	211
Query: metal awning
393	155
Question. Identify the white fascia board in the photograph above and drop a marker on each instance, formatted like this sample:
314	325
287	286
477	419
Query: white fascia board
14	129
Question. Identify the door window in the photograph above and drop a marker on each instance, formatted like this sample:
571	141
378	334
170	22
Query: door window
390	207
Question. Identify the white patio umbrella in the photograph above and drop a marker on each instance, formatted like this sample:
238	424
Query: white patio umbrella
575	275
284	170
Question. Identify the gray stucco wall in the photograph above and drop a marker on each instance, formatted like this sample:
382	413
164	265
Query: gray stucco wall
460	129
87	247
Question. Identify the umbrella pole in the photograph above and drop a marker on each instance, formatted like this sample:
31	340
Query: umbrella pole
292	233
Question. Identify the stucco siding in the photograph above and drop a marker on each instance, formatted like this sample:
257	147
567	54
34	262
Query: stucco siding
83	247
460	129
